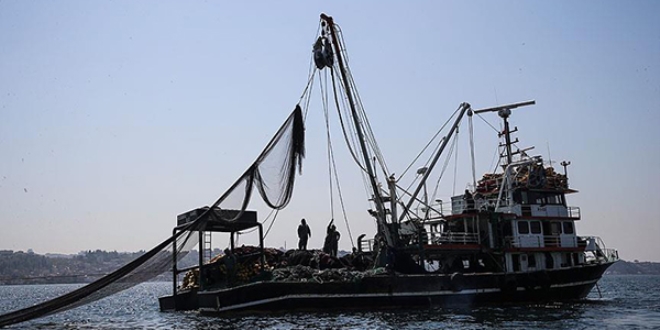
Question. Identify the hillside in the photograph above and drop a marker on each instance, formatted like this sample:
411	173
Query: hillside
31	268
623	267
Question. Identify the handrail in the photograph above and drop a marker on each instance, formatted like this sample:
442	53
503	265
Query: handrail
515	241
596	251
481	204
452	238
541	241
610	255
573	212
367	245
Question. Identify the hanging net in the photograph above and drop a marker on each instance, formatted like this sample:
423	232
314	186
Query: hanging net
272	174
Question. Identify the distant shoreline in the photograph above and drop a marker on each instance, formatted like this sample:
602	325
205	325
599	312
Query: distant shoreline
26	268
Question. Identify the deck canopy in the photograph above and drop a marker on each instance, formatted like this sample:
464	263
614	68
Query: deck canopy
215	222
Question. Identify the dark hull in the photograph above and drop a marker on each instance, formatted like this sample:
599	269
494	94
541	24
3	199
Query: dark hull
395	291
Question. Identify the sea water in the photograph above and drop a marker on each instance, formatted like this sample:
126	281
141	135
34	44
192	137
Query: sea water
627	302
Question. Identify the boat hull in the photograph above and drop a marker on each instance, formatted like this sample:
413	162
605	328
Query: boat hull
397	291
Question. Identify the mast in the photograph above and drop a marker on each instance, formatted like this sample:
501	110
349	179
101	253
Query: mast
504	111
380	215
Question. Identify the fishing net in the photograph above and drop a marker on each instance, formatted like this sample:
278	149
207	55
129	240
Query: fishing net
272	174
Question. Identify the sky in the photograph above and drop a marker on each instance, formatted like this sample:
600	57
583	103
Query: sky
116	116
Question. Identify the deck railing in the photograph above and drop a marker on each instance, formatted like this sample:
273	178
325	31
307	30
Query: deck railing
453	238
461	206
551	241
573	212
523	241
596	252
367	245
541	241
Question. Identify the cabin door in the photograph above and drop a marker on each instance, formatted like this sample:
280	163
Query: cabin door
567	237
523	262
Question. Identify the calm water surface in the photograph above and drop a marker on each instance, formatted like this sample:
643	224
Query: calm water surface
628	302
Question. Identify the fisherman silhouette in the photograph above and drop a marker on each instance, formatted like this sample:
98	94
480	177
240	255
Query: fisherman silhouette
331	244
304	233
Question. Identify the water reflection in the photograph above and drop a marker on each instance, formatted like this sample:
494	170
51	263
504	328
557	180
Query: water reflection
629	302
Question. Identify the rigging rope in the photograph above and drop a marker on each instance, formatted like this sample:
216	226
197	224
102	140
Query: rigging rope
343	126
489	124
310	85
474	171
495	156
497	149
453	193
351	144
282	157
428	161
369	135
310	82
272	222
324	98
341	201
435	150
428	144
444	168
332	169
364	121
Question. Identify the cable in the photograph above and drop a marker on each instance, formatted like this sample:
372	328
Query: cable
489	124
328	146
272	222
444	168
474	171
429	143
343	128
453	193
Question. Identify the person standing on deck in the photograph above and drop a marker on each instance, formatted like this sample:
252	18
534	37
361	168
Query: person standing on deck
335	241
304	233
469	202
327	244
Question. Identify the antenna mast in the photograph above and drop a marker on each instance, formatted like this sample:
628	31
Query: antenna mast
504	111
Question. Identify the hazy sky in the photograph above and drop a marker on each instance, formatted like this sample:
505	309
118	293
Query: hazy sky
116	116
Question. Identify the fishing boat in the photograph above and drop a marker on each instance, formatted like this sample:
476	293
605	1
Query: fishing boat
509	238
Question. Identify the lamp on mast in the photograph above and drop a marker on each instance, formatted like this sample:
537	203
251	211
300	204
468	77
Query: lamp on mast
565	164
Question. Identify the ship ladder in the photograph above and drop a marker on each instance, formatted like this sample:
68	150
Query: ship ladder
206	256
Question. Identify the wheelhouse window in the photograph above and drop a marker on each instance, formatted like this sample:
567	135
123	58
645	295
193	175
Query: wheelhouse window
535	227
523	227
525	197
521	196
546	198
568	227
555	228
